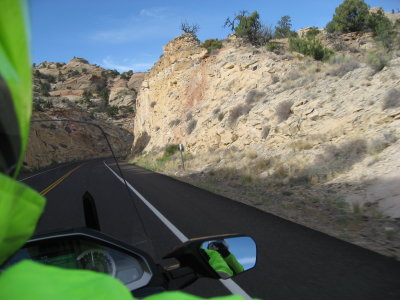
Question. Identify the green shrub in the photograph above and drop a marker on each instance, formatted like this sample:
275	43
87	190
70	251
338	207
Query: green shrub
87	95
377	60
272	46
105	95
313	32
249	27
211	45
112	111
44	89
170	150
350	16
310	47
37	106
382	28
127	75
284	28
48	104
220	116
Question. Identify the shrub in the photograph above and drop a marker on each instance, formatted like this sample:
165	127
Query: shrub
174	123
73	73
84	70
254	96
249	27
189	117
212	44
189	28
379	144
170	150
283	110
191	126
112	111
48	104
87	95
37	106
283	30
44	89
345	65
152	104
109	73
105	95
313	32
382	28
377	60
273	46
220	116
293	75
216	111
350	16
58	65
127	75
310	47
238	111
392	99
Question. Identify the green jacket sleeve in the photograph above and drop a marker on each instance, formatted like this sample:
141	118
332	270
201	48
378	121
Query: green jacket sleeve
34	281
15	82
218	263
20	209
234	264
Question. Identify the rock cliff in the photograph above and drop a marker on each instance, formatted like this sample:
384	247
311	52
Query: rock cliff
280	118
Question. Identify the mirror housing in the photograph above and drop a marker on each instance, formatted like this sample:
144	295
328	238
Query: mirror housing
203	257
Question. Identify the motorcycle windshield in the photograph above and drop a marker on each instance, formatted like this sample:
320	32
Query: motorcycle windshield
68	161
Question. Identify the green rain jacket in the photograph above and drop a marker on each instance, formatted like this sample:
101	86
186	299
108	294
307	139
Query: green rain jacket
20	206
218	263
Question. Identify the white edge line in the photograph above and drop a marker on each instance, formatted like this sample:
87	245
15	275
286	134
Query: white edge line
232	286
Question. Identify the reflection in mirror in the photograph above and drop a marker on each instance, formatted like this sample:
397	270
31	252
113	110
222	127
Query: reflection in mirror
231	256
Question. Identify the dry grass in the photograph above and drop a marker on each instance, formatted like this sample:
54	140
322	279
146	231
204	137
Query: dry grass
392	99
283	110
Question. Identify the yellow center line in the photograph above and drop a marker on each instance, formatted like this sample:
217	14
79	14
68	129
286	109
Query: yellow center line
59	180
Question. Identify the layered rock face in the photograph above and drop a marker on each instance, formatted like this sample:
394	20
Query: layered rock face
83	92
279	117
60	142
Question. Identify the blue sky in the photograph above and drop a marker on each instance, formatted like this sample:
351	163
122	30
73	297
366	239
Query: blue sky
130	34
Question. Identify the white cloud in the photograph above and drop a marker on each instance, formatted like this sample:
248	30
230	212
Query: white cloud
148	24
126	65
247	260
155	12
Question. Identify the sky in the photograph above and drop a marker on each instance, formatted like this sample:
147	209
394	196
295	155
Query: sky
129	34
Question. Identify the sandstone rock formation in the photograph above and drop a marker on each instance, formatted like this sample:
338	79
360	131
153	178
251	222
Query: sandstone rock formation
279	117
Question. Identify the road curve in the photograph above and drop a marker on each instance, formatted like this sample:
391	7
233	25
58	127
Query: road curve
294	262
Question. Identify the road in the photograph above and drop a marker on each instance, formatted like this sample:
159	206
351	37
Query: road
294	262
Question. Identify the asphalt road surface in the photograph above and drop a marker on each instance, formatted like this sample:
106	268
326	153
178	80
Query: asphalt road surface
293	262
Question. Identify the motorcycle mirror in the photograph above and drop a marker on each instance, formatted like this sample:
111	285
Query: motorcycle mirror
219	257
230	256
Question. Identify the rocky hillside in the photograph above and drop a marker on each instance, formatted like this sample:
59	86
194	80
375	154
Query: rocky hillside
104	94
85	92
328	131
